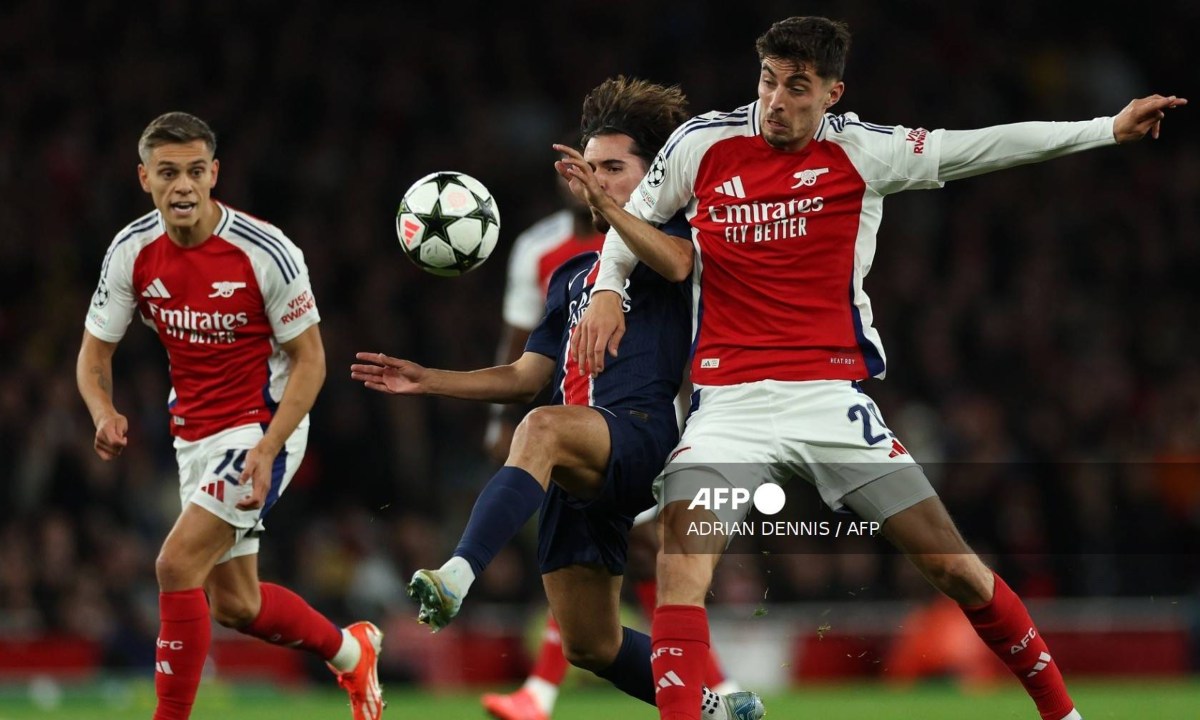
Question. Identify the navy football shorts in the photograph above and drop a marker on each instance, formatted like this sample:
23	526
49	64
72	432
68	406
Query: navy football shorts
596	532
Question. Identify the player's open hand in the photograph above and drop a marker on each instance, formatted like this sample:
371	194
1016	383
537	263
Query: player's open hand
389	375
1142	116
256	472
112	435
600	329
581	178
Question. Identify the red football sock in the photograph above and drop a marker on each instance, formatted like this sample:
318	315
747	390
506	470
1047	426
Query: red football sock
679	650
551	664
285	619
647	595
1005	626
184	634
714	674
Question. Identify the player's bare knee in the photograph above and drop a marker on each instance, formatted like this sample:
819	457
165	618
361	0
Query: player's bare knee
536	436
172	572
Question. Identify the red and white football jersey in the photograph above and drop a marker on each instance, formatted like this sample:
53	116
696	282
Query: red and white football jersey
536	254
221	309
783	240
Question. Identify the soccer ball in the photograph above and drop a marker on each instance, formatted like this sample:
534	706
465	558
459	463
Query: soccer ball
448	223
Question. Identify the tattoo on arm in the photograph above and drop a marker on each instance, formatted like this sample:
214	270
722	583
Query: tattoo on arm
102	379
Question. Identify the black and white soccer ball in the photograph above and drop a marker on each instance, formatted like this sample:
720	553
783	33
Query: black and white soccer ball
448	223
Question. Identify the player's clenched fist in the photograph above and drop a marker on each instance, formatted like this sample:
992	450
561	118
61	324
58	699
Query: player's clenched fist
257	473
111	436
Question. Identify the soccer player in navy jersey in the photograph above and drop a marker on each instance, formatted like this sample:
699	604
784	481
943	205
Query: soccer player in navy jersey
588	459
230	299
784	200
536	254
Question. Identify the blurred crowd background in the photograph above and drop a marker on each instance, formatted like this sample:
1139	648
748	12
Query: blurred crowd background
1036	316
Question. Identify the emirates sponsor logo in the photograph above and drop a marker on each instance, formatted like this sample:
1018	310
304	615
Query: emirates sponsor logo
755	222
199	327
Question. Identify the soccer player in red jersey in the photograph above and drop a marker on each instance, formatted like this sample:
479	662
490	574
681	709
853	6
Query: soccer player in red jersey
784	199
230	299
536	254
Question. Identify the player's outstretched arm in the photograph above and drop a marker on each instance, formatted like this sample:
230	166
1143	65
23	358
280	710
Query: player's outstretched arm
967	153
1144	116
667	255
497	437
516	382
93	375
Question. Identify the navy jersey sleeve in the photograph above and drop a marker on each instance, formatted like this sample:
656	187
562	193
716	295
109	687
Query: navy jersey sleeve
678	226
546	339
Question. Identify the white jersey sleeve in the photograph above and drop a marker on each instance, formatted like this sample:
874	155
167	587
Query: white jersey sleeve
283	277
113	303
616	264
524	296
281	273
889	158
965	153
895	158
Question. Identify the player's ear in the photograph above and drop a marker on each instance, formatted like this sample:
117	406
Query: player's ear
144	177
216	168
834	94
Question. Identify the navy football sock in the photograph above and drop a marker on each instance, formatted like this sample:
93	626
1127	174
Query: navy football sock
630	670
507	502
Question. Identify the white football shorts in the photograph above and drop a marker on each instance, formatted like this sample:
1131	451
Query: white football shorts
208	476
828	432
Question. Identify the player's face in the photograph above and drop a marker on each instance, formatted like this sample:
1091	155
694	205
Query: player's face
617	168
792	100
180	178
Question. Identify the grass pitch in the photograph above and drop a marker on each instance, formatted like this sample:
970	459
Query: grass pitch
1107	700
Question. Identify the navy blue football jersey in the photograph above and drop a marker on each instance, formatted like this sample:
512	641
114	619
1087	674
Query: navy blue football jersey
647	372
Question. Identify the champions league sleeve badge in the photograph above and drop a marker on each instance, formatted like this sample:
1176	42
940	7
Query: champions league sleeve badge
657	172
100	297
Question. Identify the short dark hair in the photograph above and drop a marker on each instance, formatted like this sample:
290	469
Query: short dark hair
175	128
820	41
646	112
